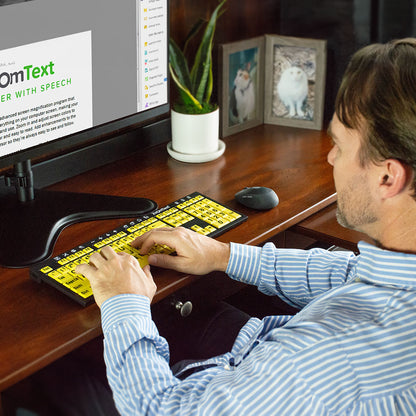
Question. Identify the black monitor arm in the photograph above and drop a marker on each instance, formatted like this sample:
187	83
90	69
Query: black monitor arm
31	220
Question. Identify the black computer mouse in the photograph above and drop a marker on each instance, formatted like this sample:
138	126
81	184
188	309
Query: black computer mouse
257	197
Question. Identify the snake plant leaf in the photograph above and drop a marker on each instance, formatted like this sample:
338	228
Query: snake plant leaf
201	72
210	83
192	33
188	99
177	61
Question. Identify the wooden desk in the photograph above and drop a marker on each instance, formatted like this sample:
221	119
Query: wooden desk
39	325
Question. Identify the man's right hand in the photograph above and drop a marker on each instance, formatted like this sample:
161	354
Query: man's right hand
195	253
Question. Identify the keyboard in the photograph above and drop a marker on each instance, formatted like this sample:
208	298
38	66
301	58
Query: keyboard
194	211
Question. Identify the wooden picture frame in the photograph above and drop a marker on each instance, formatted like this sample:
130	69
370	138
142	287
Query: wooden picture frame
241	85
295	70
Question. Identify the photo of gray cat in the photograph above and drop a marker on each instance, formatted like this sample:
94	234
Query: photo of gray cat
294	71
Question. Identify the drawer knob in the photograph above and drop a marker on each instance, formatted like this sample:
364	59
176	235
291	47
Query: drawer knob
184	309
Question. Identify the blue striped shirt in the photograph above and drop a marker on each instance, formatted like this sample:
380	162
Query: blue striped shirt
351	350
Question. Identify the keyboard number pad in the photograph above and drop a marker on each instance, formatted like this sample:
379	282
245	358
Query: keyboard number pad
212	213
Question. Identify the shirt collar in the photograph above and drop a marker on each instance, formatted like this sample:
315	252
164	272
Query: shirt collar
386	268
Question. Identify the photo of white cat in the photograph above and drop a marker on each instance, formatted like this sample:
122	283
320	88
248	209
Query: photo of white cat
292	89
294	82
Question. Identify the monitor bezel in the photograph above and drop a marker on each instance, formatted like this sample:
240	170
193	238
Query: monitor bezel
88	137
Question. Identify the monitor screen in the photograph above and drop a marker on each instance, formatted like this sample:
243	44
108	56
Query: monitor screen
69	66
73	74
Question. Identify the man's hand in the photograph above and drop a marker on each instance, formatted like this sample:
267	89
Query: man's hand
195	253
112	273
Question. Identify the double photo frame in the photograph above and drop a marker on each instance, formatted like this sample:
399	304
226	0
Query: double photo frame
273	80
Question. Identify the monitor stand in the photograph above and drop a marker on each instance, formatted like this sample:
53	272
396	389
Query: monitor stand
31	221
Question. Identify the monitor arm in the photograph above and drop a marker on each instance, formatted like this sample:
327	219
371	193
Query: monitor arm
22	180
31	220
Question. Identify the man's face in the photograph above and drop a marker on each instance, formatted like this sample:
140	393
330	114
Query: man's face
355	202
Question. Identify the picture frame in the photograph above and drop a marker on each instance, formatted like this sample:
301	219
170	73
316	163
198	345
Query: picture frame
295	71
241	85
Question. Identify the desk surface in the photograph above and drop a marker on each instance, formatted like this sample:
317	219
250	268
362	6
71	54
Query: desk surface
39	325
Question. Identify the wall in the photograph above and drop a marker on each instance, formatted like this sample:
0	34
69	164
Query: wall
345	24
242	19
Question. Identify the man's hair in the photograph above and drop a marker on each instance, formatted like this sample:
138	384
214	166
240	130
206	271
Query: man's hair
378	96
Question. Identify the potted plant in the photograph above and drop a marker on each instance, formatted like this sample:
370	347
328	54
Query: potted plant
194	118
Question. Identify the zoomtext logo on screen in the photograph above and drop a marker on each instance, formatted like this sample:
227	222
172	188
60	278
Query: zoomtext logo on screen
27	73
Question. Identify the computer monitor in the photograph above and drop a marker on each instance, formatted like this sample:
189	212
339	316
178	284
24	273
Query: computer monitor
73	75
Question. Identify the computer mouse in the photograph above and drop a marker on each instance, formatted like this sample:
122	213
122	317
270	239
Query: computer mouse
257	197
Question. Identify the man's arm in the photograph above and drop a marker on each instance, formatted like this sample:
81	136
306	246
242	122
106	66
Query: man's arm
296	276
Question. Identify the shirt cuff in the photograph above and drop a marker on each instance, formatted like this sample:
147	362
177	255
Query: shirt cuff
244	263
118	308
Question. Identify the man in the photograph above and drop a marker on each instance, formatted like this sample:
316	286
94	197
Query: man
351	350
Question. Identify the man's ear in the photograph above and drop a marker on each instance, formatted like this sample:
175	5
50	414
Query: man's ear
394	178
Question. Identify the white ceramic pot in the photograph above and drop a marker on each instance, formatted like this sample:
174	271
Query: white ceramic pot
195	134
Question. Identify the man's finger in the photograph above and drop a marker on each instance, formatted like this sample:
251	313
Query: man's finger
95	259
152	239
146	270
166	261
85	269
107	252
